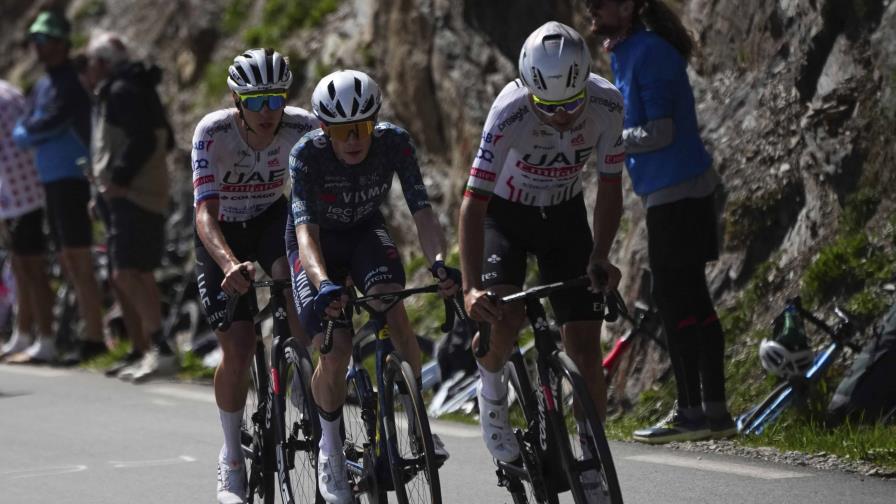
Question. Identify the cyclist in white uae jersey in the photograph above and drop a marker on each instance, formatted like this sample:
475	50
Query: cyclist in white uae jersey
245	181
524	195
240	162
524	160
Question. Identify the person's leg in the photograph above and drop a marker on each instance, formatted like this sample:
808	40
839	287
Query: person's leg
281	270
127	287
78	263
581	340
24	314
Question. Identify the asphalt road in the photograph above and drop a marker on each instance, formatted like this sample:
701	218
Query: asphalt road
70	436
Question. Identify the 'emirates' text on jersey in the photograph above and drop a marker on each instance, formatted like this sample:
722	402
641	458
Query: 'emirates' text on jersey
335	196
244	180
523	160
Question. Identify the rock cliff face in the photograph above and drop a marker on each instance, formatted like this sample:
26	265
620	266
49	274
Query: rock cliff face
795	97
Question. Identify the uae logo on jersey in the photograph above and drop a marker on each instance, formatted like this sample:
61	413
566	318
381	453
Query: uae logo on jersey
579	140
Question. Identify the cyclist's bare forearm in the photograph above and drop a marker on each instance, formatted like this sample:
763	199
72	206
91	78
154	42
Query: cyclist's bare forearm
607	214
432	238
212	237
308	237
471	233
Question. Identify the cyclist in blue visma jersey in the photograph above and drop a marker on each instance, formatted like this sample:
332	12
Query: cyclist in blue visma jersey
341	175
673	174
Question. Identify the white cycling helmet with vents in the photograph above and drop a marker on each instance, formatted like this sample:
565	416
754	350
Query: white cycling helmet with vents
258	70
779	360
555	62
346	96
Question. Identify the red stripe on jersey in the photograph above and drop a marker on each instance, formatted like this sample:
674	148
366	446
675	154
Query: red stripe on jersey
203	180
482	174
614	158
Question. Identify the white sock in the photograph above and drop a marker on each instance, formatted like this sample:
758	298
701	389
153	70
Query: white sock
232	453
330	439
493	385
43	348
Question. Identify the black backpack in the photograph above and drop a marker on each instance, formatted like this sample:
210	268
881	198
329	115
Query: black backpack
868	391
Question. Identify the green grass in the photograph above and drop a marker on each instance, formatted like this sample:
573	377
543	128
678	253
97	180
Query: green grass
281	17
106	360
191	368
867	443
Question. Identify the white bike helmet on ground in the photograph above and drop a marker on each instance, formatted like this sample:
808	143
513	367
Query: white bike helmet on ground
258	70
555	62
779	360
787	353
346	96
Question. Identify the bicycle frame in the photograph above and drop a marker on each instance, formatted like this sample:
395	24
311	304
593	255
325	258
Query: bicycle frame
269	415
374	468
548	427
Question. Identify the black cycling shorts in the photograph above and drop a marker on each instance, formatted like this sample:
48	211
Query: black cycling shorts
257	239
136	236
682	233
366	252
560	239
67	201
26	233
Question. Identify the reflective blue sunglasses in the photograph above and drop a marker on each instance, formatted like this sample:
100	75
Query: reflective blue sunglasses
256	102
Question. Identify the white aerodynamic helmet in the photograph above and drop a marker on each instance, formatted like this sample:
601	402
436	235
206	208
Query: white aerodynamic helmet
779	360
258	70
346	96
555	62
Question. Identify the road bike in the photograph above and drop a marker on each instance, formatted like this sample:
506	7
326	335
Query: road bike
388	443
280	430
549	409
763	414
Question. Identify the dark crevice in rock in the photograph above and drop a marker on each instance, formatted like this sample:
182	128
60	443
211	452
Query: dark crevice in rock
851	19
491	19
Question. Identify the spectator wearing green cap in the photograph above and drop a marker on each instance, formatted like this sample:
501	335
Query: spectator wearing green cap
57	126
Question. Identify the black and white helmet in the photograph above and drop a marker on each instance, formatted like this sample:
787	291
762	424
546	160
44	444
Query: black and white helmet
258	70
555	62
781	361
346	96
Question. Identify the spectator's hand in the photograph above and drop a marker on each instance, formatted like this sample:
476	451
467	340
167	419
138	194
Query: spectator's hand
480	307
238	278
604	275
449	278
329	301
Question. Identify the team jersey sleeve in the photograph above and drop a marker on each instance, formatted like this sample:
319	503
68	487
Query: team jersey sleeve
408	170
656	80
610	148
304	187
492	152
205	184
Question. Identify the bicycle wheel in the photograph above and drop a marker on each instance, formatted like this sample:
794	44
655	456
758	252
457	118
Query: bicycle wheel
585	457
297	453
746	422
524	418
359	420
258	441
412	455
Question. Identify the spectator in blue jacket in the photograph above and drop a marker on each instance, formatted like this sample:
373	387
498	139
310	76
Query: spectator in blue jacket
672	173
57	127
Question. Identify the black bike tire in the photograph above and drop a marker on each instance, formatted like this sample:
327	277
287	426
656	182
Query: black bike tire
296	357
258	383
376	494
561	364
525	394
397	372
